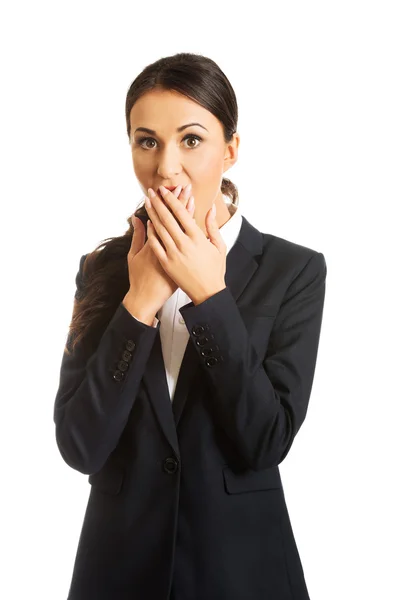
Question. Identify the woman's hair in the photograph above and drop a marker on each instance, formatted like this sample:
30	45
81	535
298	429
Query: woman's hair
103	278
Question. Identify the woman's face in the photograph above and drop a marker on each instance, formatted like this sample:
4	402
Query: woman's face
197	154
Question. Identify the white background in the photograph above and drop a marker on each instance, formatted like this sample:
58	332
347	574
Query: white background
317	85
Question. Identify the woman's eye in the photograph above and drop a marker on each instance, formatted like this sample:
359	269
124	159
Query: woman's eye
193	137
143	141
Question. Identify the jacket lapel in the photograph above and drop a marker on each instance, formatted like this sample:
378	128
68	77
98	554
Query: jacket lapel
241	264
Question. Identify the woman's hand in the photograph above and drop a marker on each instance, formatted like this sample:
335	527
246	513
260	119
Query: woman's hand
196	264
150	286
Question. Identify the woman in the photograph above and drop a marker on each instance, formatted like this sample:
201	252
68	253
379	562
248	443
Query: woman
186	499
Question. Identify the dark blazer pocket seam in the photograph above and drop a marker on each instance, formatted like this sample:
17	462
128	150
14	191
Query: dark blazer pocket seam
251	481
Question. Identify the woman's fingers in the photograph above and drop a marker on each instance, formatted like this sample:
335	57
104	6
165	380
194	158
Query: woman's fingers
185	195
138	236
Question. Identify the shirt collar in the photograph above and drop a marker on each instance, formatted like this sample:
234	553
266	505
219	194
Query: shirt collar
230	230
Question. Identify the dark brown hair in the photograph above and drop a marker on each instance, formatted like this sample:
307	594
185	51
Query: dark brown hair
103	278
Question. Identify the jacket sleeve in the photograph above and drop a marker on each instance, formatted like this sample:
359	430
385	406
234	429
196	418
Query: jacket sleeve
261	404
98	389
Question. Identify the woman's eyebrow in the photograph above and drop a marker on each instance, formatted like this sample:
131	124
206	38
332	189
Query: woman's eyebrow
178	130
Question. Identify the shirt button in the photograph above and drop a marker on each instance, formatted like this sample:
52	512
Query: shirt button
181	320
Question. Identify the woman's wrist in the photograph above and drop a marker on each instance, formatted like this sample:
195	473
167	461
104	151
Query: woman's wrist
138	309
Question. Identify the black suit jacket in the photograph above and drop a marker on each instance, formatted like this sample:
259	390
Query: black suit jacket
186	499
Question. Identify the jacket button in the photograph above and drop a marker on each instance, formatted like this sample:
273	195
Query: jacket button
202	341
126	355
130	344
118	375
170	465
122	365
211	361
206	352
198	330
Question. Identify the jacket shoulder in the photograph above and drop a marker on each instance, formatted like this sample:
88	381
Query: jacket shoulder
287	247
291	258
